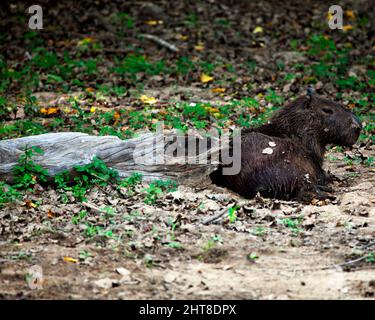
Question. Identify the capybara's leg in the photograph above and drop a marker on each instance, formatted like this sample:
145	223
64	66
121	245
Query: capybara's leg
308	193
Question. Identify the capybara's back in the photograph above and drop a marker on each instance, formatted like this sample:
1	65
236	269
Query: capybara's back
283	158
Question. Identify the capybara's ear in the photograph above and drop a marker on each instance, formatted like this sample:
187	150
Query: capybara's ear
309	91
309	97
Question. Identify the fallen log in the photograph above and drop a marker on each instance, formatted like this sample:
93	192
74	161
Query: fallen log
151	154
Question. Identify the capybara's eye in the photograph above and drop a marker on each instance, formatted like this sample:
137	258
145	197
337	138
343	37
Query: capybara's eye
327	110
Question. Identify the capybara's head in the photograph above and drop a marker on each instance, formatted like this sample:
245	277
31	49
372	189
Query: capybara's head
325	119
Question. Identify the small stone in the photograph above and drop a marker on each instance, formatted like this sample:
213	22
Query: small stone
105	283
170	277
210	205
123	271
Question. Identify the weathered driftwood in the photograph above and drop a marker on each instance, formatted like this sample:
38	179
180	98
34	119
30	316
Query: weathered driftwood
143	154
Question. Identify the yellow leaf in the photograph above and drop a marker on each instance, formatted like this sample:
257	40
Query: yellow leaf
211	109
329	15
69	259
85	41
350	14
49	111
218	90
206	78
182	37
258	30
148	100
153	22
347	28
52	110
92	109
199	47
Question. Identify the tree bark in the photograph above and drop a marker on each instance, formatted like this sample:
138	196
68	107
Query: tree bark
63	151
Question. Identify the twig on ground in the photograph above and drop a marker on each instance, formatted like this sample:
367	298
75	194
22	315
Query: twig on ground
347	263
217	216
118	50
92	207
370	245
161	42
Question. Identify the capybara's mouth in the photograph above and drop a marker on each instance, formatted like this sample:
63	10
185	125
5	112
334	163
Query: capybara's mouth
352	140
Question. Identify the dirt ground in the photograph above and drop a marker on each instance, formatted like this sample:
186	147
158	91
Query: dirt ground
272	249
256	257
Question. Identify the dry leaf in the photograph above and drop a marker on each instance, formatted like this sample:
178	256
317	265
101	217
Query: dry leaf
206	78
49	111
218	90
117	115
199	47
148	100
347	28
29	204
69	259
85	41
329	15
153	22
50	214
350	14
258	30
182	37
211	109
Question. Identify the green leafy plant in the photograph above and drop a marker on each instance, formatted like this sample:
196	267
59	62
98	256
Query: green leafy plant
97	172
274	98
84	254
259	231
157	188
174	244
293	224
370	257
212	242
133	64
252	256
94	173
232	214
26	172
131	182
8	194
76	219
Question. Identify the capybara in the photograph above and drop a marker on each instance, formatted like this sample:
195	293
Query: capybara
283	158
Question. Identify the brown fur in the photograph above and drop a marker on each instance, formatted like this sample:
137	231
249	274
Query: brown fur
301	131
